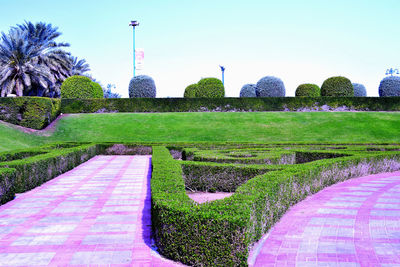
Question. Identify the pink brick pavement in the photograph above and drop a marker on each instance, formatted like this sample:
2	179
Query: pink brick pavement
354	223
97	214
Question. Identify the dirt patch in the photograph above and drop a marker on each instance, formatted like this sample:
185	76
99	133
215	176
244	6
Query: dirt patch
202	197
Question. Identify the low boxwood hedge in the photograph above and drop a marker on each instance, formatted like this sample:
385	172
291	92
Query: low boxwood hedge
227	104
221	233
31	112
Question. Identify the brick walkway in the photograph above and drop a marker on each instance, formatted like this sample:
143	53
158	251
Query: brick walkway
354	223
96	214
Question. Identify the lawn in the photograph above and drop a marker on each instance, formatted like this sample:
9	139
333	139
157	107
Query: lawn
231	126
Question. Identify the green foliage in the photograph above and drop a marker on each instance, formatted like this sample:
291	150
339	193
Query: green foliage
7	182
80	87
142	86
210	87
31	112
226	104
219	233
37	166
191	90
308	90
337	86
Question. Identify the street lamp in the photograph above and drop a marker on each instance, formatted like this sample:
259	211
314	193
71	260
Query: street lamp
392	71
134	23
223	74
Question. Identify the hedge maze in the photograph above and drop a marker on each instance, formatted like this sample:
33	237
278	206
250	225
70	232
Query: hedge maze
266	180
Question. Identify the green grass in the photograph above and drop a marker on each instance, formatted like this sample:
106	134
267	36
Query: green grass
235	127
11	139
238	127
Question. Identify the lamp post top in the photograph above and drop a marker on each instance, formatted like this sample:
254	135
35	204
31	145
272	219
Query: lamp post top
134	23
222	68
392	71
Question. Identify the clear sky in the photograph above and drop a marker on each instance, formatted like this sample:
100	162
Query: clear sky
184	40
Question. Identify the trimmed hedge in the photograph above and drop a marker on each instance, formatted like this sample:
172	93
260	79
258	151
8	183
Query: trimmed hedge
248	90
308	90
221	232
270	86
142	86
81	87
31	112
40	168
7	184
359	90
390	86
191	90
210	88
227	104
337	86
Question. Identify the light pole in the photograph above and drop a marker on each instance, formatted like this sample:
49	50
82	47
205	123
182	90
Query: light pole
392	71
134	23
223	74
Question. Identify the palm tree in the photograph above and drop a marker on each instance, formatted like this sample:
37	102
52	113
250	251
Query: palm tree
19	68
79	67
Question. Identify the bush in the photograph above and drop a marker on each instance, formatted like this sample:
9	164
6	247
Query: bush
359	90
210	87
390	86
31	112
191	90
248	90
337	86
309	90
80	87
270	87
142	86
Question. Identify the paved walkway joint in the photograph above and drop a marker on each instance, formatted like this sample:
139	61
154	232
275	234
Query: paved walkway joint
96	214
354	223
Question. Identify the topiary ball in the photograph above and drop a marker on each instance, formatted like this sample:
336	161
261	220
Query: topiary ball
142	86
248	90
191	90
210	87
390	86
359	90
270	87
337	86
80	87
308	90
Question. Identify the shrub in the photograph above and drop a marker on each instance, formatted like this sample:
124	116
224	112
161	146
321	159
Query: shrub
359	90
210	87
142	86
31	112
390	86
80	87
191	90
270	87
248	90
337	86
308	90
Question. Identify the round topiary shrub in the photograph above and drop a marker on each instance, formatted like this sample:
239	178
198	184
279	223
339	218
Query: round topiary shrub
308	90
359	90
337	86
80	87
190	91
248	90
210	87
270	87
142	86
390	86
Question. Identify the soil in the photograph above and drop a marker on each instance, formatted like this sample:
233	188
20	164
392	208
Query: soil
202	197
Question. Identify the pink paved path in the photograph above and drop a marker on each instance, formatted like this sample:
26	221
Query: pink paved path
96	214
354	223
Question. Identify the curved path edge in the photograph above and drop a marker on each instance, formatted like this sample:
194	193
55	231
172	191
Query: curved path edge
353	223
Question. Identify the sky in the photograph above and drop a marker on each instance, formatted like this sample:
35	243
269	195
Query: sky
300	42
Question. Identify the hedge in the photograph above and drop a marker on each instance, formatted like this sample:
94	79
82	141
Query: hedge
227	104
220	233
39	168
31	112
